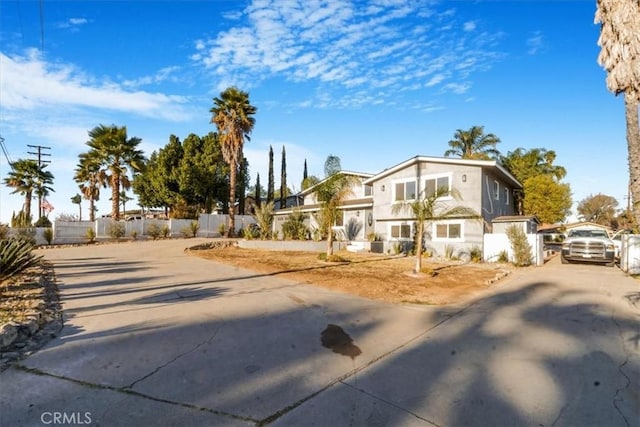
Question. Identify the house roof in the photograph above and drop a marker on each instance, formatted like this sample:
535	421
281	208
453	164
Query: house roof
493	164
586	224
346	205
343	172
516	218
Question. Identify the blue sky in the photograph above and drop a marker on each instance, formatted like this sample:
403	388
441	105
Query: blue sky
373	82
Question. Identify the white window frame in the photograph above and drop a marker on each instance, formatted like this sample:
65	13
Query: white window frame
435	177
506	195
364	190
434	229
403	181
400	224
496	190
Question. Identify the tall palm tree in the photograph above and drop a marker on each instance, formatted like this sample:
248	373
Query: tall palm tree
331	194
620	57
431	208
116	154
89	178
27	178
77	200
233	116
473	144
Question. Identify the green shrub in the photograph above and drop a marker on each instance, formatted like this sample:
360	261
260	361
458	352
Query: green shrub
16	255
503	256
476	254
166	231
154	231
448	251
264	219
192	230
91	235
333	258
21	220
520	245
222	229
27	234
134	234
4	231
397	248
293	227
116	230
48	235
42	222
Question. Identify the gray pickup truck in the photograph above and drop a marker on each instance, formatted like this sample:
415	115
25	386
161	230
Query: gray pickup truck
588	245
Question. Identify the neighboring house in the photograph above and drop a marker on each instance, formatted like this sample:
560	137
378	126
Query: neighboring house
356	216
528	223
586	225
483	185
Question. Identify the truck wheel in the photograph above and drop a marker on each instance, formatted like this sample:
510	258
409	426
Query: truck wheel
564	260
610	264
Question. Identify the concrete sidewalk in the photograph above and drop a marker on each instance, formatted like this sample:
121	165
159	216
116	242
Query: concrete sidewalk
156	337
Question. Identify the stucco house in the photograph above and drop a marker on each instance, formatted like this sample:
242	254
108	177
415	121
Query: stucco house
483	185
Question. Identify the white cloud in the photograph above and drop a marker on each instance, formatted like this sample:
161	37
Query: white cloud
344	46
29	83
73	23
535	43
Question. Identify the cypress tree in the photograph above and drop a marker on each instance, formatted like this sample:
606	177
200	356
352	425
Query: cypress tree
283	180
258	190
270	185
304	173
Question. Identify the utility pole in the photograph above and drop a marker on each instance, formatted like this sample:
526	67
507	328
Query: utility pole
39	152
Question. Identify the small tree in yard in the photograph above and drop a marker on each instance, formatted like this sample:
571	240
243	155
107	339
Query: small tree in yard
431	208
520	245
264	218
331	194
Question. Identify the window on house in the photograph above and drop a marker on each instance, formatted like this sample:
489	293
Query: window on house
496	190
405	191
506	196
401	231
448	231
368	190
439	183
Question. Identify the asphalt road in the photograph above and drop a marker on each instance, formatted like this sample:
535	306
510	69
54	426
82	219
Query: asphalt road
155	337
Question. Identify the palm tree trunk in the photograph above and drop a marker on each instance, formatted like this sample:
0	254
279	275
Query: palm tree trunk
232	199
115	197
419	248
633	142
329	242
27	204
92	215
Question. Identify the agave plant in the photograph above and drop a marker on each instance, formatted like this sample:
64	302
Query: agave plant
16	255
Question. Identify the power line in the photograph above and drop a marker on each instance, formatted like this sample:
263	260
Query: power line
42	26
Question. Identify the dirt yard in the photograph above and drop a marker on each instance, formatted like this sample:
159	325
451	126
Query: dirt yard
380	277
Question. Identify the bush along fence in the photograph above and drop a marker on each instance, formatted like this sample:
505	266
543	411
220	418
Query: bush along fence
73	232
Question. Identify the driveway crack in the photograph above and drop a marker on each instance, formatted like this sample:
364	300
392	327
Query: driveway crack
618	398
164	365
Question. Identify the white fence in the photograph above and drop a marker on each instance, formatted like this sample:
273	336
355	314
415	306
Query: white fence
69	232
630	254
495	244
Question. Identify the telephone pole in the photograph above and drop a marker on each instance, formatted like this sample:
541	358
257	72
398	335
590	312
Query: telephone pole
40	154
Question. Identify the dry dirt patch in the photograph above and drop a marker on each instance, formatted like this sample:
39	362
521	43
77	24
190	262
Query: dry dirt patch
386	278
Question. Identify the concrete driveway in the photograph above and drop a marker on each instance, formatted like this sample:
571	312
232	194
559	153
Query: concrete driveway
156	337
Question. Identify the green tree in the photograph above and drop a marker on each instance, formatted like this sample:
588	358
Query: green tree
620	57
547	199
264	218
77	200
117	154
258	191
233	116
473	144
283	180
305	175
89	178
600	209
428	208
310	181
331	194
270	183
524	164
28	178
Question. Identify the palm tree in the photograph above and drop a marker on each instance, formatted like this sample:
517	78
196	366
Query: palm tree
331	194
429	208
89	177
620	57
27	178
473	144
116	154
77	200
233	116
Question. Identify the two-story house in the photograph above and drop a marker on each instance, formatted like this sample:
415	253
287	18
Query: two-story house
485	186
356	219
